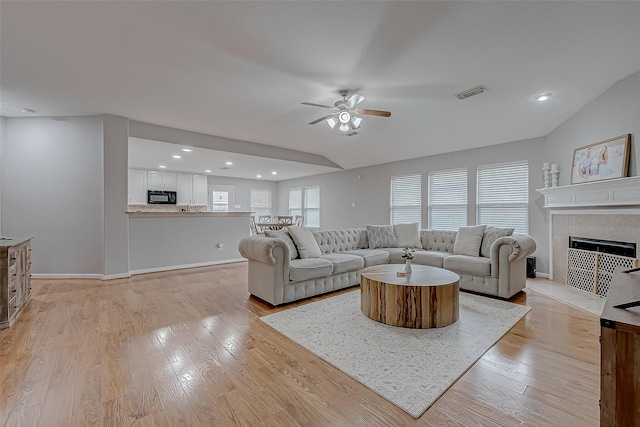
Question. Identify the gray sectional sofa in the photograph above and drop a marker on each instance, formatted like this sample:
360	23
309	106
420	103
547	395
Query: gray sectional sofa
278	279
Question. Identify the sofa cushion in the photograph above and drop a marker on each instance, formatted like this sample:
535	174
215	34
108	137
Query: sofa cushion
371	256
438	240
395	254
284	235
381	236
468	240
491	234
311	268
430	258
305	242
408	235
475	265
344	262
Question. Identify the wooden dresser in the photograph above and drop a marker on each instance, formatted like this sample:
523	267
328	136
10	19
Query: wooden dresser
15	278
620	354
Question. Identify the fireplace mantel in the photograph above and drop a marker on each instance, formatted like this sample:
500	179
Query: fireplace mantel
611	192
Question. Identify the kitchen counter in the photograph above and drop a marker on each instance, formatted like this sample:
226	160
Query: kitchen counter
140	214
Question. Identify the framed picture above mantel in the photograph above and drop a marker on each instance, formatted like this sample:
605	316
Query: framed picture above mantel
607	159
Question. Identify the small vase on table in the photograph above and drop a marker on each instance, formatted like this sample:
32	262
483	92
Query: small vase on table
407	266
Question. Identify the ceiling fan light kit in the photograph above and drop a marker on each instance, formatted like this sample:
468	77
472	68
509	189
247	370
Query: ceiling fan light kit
346	114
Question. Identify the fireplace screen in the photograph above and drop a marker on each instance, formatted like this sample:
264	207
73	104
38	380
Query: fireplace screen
591	271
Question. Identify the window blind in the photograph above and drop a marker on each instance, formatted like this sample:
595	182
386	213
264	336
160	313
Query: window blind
503	195
312	206
448	199
406	199
295	201
261	202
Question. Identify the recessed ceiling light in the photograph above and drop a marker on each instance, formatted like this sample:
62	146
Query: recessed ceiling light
228	163
177	157
274	173
207	171
162	166
188	150
28	110
543	96
258	176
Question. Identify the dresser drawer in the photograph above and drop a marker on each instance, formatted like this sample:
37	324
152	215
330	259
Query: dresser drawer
13	256
12	305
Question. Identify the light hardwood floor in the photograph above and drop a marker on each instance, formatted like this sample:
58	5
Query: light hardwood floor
187	348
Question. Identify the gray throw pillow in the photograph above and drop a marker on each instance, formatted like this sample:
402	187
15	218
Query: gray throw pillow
381	236
408	235
284	235
491	234
305	242
468	240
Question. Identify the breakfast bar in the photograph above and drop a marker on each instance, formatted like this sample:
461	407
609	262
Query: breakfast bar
168	240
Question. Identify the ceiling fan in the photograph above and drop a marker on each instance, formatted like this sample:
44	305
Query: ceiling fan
345	114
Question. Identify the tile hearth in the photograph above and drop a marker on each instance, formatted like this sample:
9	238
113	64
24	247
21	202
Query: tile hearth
568	294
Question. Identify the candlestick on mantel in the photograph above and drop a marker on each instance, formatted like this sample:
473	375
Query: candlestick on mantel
554	167
545	165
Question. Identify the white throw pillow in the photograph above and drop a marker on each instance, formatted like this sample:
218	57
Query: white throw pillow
284	235
305	242
468	240
491	234
381	236
408	235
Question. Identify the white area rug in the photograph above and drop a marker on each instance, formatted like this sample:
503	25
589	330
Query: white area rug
409	367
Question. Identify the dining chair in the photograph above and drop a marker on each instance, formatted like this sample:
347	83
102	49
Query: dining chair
285	219
254	228
264	218
298	220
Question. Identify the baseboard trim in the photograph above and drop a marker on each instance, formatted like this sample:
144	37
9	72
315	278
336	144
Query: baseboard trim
115	276
184	266
135	272
543	275
66	276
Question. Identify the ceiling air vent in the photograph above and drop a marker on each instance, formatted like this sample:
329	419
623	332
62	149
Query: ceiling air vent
470	92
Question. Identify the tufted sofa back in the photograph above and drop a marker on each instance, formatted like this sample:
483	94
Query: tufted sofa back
334	241
438	240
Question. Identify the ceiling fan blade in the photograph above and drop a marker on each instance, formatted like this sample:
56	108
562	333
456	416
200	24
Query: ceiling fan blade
374	112
322	119
354	100
315	105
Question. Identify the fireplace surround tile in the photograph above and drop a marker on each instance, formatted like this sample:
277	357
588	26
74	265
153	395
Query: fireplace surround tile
597	227
578	225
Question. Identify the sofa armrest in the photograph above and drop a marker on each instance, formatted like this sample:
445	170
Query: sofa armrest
521	247
262	249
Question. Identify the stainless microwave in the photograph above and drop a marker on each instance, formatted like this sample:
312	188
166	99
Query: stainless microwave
155	197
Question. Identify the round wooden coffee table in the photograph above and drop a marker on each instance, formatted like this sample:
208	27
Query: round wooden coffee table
428	298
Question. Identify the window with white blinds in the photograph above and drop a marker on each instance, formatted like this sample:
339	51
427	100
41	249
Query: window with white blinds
448	199
306	202
261	202
503	195
295	201
406	199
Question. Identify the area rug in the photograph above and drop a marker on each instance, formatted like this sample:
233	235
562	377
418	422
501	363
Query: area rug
409	367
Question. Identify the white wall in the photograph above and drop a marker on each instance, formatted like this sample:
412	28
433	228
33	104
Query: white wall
615	112
242	190
2	139
52	191
369	188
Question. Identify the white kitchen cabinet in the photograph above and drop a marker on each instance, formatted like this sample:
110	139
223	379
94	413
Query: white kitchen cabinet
137	187
199	192
183	197
165	181
192	190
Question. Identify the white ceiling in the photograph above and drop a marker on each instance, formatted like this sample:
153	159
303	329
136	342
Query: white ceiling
146	154
240	69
